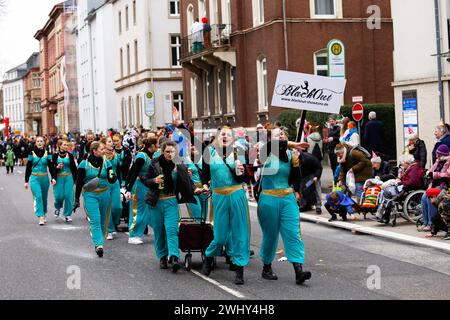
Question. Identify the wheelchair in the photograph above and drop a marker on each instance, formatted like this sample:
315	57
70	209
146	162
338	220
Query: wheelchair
405	204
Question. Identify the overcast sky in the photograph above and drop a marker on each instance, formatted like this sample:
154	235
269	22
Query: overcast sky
18	25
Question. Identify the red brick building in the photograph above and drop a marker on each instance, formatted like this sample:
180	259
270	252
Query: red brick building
32	96
232	78
56	110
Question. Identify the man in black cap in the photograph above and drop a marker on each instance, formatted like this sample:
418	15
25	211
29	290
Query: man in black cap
334	133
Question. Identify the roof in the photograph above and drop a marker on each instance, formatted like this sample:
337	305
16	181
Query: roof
56	11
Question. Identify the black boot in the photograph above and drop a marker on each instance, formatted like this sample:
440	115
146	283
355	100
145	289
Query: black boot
268	273
99	251
233	267
207	266
163	263
239	280
300	275
173	263
227	258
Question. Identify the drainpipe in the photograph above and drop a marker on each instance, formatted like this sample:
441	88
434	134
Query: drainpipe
439	58
286	53
92	73
151	64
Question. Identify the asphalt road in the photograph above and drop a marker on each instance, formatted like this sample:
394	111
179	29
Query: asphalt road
35	260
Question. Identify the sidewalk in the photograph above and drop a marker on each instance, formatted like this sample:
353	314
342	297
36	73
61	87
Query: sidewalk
404	231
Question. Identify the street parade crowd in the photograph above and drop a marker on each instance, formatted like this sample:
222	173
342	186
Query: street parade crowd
141	177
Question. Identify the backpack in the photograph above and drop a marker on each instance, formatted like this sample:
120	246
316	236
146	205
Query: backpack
316	152
363	150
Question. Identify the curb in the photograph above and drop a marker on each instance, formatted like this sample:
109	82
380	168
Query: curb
372	231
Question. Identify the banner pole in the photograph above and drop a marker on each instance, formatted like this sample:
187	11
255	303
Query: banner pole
300	128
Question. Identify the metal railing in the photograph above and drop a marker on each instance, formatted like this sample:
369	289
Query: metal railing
202	41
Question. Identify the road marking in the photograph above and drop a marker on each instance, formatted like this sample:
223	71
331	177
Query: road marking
221	286
19	172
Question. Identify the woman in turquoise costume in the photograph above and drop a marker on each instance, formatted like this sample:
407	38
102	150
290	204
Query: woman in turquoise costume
36	178
66	174
94	177
278	211
136	191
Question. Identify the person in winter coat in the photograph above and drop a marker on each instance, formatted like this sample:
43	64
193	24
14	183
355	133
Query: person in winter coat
418	149
351	136
382	169
443	137
440	175
338	202
334	132
315	143
9	160
355	160
311	172
373	133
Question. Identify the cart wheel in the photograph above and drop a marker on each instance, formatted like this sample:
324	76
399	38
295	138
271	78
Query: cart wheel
188	262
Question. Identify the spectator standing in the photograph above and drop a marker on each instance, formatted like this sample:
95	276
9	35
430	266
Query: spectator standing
333	139
197	36
418	149
443	137
315	143
206	33
351	136
373	133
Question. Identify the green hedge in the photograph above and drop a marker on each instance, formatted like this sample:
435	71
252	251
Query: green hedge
385	113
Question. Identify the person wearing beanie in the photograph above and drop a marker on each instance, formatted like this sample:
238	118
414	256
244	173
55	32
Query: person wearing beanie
382	169
439	175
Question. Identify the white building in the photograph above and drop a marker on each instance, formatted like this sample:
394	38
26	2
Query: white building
13	98
147	49
416	69
95	59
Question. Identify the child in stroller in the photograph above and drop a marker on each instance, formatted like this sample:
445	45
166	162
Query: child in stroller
371	196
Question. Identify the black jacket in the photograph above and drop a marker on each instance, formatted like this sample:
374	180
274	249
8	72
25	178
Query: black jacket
310	165
373	135
420	152
184	188
334	133
386	172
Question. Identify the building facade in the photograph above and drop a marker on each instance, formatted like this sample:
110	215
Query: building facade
13	98
416	84
1	100
96	94
147	48
32	96
59	92
231	79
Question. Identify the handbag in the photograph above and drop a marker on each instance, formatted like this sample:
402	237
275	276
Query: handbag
92	184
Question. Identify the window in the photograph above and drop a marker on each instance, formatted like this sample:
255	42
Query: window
263	97
324	8
201	8
231	100
36	81
217	100
138	111
175	48
120	22
128	60
134	12
190	19
136	58
126	18
178	103
321	63
174	8
194	97
258	12
213	12
124	113
121	62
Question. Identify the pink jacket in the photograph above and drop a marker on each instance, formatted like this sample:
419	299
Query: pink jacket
445	172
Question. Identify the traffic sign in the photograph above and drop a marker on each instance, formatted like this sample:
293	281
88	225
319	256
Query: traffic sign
358	99
358	112
149	104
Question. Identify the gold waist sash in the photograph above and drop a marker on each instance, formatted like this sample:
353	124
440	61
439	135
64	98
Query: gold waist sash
40	174
166	197
97	191
64	174
278	192
227	190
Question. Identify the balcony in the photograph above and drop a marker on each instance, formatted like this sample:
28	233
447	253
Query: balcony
199	51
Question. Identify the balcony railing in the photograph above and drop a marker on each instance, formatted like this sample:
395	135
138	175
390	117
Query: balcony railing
202	41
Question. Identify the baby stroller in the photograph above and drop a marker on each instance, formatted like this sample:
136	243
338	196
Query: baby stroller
195	235
370	198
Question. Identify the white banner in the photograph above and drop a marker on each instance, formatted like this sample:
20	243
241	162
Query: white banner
308	92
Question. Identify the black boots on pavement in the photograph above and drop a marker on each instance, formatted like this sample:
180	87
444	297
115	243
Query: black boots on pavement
239	280
174	264
268	273
207	266
300	275
163	263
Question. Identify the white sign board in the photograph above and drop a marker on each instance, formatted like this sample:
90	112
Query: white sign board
308	92
336	59
150	104
358	99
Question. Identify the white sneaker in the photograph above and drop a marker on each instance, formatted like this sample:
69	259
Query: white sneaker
135	241
110	236
57	213
68	219
41	221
